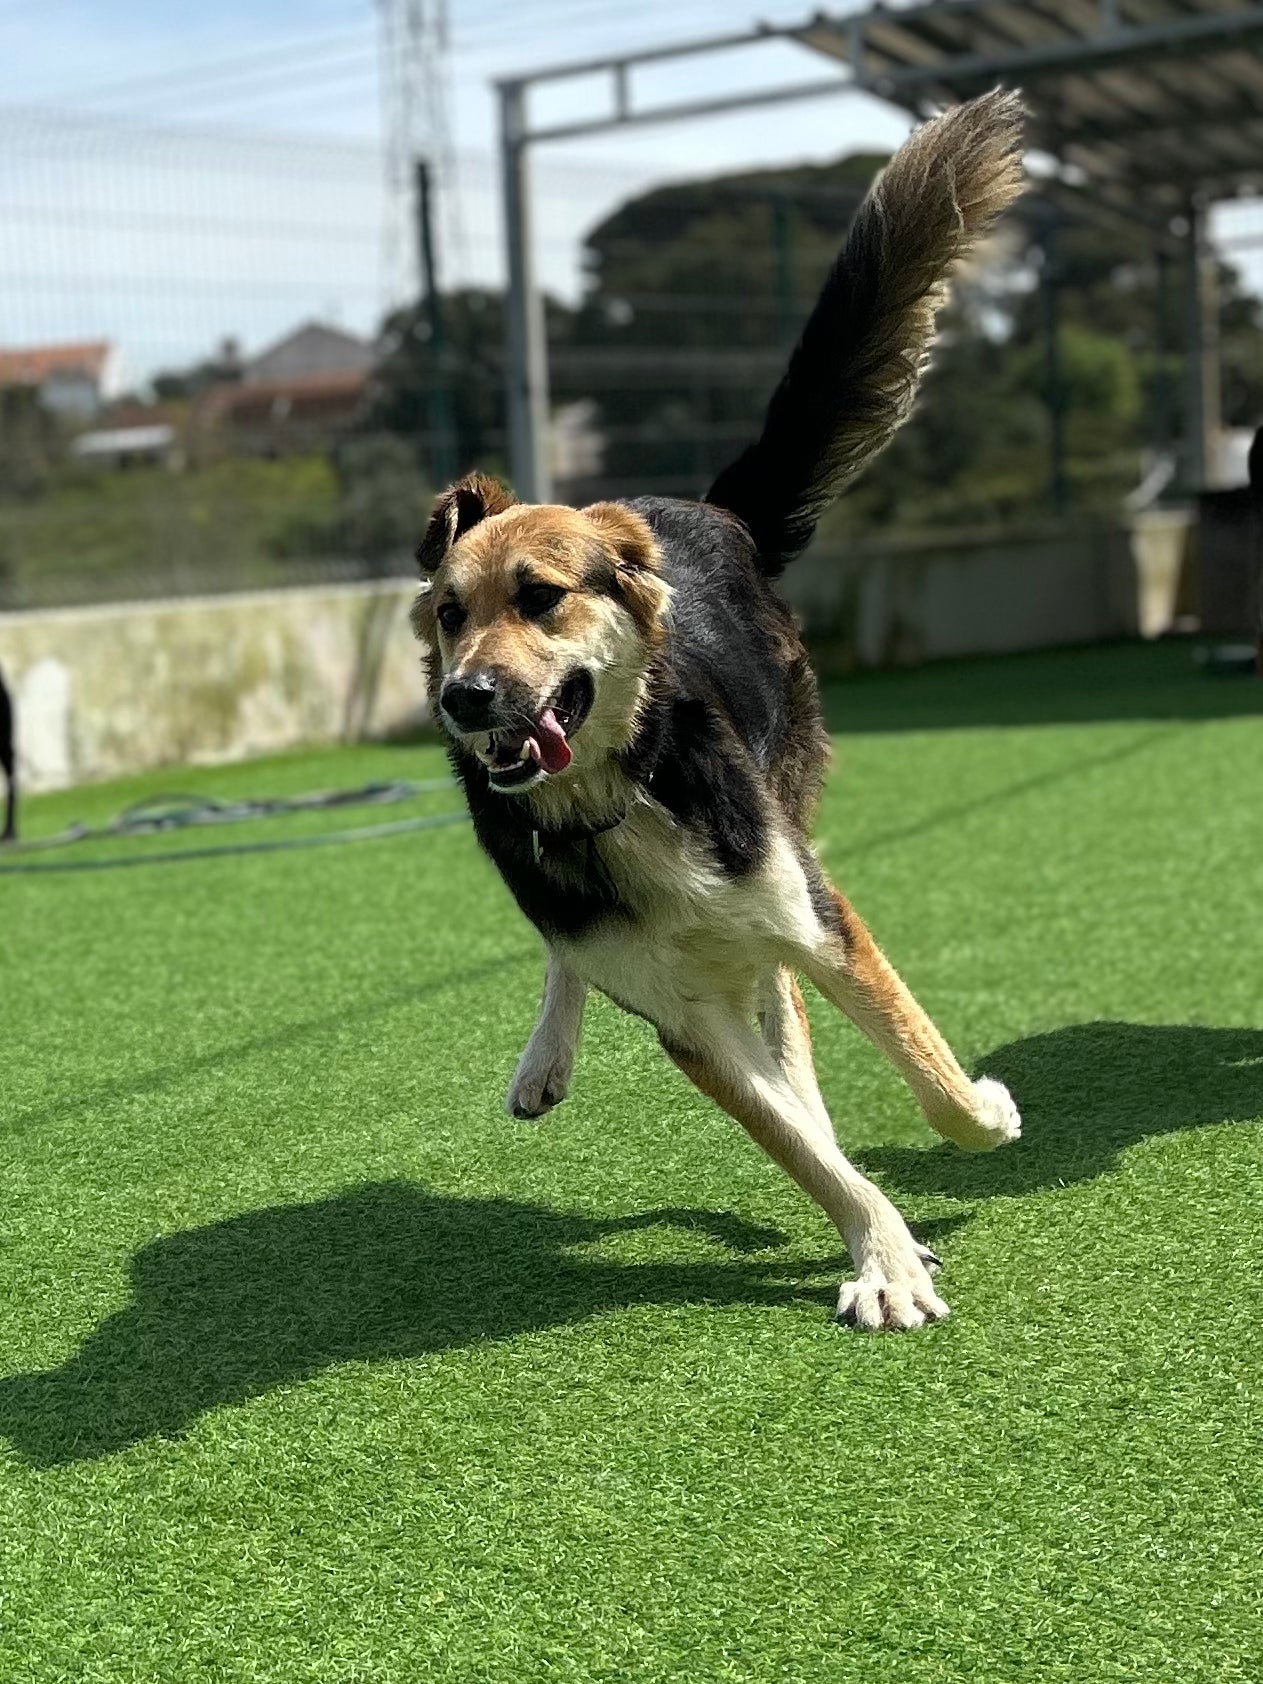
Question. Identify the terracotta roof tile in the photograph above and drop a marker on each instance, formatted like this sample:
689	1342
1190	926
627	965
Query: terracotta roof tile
32	365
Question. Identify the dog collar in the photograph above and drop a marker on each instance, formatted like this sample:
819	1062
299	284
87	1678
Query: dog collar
566	835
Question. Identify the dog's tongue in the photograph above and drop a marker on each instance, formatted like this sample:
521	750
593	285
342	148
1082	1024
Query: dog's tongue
554	751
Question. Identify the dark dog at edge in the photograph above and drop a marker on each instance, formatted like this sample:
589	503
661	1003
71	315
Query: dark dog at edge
638	732
8	764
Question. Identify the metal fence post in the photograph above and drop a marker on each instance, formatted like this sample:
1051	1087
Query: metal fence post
1050	286
526	369
1201	427
443	449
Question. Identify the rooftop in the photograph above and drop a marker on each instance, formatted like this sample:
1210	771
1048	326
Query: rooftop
32	365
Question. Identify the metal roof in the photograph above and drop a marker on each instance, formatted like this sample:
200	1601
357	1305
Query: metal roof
1150	102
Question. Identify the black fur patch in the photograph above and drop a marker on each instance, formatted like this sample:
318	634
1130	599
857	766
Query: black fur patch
600	577
564	892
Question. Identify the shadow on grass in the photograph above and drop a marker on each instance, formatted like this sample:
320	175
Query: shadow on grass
387	1270
1086	1092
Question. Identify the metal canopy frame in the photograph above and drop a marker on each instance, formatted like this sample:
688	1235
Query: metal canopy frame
1150	110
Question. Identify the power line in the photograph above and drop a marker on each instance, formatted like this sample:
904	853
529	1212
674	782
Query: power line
102	128
288	58
277	84
266	226
283	55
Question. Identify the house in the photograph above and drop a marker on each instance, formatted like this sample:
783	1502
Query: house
296	395
73	381
314	350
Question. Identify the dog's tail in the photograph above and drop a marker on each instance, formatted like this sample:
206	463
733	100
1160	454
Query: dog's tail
854	373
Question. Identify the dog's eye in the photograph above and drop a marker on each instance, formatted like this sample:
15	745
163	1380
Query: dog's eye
451	616
537	599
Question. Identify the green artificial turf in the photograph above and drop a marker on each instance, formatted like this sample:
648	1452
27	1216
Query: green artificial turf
318	1368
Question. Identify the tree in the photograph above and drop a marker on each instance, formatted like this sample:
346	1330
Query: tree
32	443
695	293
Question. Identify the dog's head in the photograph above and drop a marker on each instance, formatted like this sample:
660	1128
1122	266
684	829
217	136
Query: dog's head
539	623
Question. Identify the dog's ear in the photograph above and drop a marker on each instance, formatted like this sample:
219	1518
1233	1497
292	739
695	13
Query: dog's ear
626	534
461	506
638	580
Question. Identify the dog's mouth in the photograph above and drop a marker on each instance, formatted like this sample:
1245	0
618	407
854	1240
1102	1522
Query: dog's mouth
539	747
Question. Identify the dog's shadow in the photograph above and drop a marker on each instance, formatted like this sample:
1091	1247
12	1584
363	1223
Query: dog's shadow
1086	1092
386	1270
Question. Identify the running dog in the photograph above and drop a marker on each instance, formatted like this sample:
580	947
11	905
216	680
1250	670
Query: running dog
637	729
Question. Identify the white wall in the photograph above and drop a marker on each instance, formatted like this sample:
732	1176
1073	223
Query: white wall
103	691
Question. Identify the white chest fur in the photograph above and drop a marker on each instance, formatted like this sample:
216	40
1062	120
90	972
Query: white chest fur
695	933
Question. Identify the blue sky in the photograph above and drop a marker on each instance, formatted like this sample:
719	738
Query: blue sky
165	245
64	51
164	271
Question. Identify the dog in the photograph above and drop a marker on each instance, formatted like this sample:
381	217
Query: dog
1254	469
637	729
8	764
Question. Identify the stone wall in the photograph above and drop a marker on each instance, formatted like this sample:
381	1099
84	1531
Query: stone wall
918	598
110	690
103	691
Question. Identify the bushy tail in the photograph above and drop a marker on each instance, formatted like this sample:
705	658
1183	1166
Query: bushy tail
854	373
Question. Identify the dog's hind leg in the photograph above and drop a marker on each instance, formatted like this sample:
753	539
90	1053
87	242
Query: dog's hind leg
724	1057
851	970
787	1036
544	1069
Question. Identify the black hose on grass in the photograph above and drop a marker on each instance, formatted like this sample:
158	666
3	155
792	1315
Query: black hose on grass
160	814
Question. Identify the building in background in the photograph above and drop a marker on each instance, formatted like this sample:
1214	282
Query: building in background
311	351
74	381
133	435
295	395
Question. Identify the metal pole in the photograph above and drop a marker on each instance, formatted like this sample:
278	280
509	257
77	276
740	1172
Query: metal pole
782	245
526	371
1165	434
442	420
1201	413
1050	279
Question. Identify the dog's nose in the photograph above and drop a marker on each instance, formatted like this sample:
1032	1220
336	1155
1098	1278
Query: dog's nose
467	700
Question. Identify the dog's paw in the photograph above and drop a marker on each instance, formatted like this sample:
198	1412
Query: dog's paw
540	1083
997	1121
993	1121
893	1296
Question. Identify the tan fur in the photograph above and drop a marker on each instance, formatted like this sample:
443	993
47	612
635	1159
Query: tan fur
611	631
543	1073
857	976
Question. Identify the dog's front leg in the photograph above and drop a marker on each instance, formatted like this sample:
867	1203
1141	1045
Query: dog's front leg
543	1073
724	1057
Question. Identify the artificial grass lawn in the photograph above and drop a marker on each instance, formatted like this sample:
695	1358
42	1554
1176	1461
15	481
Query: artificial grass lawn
319	1368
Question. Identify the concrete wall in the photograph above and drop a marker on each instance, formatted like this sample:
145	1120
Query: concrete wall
904	600
109	690
103	691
